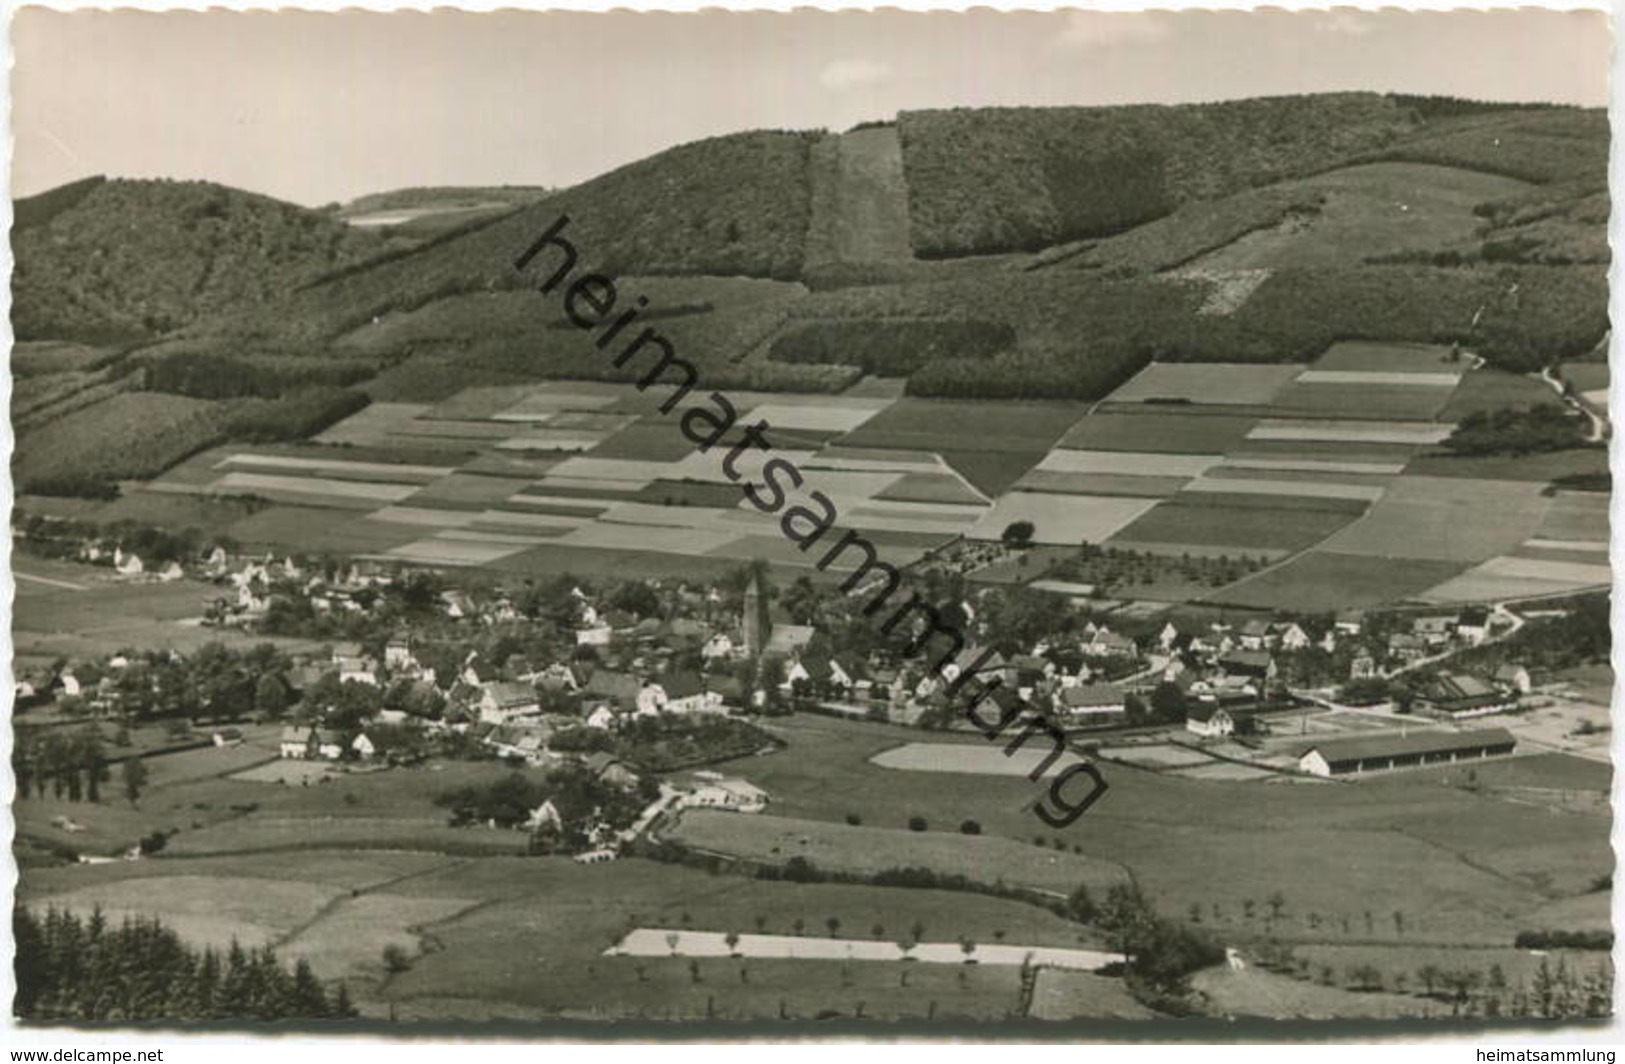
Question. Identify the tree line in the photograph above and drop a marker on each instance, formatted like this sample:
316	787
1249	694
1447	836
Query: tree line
83	969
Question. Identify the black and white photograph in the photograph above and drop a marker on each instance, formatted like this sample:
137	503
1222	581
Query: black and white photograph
1033	524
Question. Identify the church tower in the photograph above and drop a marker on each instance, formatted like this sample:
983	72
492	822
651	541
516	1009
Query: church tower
757	623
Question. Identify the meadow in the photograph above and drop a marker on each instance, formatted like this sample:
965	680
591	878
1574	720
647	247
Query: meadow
1484	860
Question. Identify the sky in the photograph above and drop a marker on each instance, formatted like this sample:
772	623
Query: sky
315	108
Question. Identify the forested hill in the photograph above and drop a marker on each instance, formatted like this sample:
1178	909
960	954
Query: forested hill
1250	231
1021	178
120	261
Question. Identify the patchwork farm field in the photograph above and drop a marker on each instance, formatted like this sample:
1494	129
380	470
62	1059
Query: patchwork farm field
1339	456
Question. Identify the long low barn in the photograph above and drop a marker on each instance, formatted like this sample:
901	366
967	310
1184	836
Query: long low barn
1345	756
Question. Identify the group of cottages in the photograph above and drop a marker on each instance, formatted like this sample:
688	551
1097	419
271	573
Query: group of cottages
1253	636
1065	681
1426	636
1379	753
128	564
250	584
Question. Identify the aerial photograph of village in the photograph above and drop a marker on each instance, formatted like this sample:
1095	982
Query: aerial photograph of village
953	550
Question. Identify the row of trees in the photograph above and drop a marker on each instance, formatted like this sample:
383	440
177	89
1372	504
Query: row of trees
1554	992
82	969
63	764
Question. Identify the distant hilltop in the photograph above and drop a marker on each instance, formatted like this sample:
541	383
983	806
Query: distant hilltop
1045	251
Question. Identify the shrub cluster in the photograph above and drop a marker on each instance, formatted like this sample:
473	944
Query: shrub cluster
1564	940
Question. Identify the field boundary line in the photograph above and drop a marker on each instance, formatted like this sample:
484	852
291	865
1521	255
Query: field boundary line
333	905
30	577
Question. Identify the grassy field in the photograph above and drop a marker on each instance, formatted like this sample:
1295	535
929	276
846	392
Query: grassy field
1371	210
1325	580
132	434
868	849
1540	468
212	910
1221	383
97	616
523	936
1517	965
1018	433
1200	523
537	939
1061	519
1485	860
1376	401
1170	433
1446	518
1491	389
1257	994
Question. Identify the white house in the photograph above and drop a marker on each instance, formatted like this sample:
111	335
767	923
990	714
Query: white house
1291	636
597	635
1514	676
723	792
363	746
127	564
1208	720
398	653
353	669
502	701
651	699
544	815
306	741
603	717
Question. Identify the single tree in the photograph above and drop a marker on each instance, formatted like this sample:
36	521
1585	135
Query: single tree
1018	534
134	773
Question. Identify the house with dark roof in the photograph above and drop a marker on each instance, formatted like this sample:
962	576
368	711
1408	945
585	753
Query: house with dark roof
1473	625
1461	694
1379	753
1436	630
1106	643
1093	703
618	687
1255	634
687	692
1407	647
1255	665
307	742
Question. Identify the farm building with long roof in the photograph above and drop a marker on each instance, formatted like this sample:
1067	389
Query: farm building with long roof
1340	757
